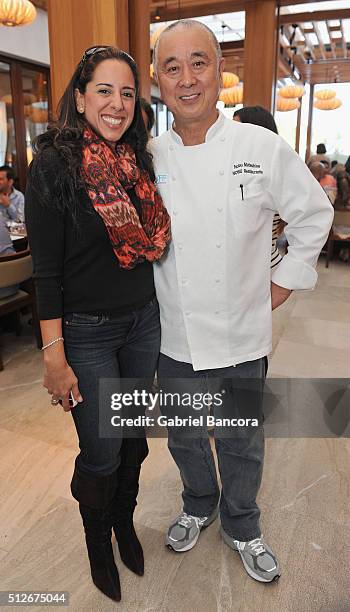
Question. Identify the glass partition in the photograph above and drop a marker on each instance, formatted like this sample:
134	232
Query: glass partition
24	108
8	153
35	100
331	126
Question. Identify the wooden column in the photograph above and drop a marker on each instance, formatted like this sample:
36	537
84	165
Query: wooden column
139	22
75	25
260	53
297	135
309	123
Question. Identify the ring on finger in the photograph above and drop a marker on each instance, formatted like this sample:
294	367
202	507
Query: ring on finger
54	401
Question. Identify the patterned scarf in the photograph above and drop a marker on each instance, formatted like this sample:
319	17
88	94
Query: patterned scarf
107	176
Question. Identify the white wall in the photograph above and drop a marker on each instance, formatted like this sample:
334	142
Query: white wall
30	42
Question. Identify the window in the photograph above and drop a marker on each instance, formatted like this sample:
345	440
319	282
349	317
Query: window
163	117
8	154
35	106
24	108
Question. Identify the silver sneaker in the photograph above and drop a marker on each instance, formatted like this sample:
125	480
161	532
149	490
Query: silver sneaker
257	557
184	532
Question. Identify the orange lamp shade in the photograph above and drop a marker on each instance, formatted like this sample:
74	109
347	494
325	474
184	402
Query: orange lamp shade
325	94
287	104
291	91
229	79
232	95
330	104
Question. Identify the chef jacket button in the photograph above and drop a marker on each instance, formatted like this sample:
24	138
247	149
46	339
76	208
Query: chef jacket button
173	178
174	212
217	280
221	172
217	312
180	246
187	313
218	245
184	281
220	209
222	139
171	148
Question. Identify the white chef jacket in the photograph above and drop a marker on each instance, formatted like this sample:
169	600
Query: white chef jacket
213	284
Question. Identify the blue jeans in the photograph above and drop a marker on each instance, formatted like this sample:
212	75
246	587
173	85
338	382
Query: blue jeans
240	457
98	346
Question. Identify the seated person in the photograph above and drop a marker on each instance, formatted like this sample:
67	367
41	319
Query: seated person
6	248
343	195
326	181
11	200
320	157
317	169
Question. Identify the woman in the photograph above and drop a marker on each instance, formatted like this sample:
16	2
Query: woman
95	225
260	116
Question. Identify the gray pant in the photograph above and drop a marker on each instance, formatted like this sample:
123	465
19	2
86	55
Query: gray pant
240	453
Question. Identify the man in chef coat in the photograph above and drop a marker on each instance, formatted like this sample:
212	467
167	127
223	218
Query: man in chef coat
222	183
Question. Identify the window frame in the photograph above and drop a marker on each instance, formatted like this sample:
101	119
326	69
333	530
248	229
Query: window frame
16	64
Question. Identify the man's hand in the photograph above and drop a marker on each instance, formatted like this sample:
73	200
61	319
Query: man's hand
278	295
4	200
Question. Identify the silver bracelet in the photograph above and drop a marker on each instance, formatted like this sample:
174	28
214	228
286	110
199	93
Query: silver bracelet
53	342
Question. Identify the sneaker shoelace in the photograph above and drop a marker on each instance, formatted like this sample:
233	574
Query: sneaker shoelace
256	545
186	519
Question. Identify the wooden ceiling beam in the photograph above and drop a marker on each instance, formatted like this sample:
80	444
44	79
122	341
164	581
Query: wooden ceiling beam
334	53
197	9
315	16
341	61
319	38
290	2
234	45
345	49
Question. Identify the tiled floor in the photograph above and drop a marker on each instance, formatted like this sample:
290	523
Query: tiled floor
304	496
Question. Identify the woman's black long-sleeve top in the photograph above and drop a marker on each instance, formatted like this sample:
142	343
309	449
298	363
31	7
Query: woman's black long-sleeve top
75	268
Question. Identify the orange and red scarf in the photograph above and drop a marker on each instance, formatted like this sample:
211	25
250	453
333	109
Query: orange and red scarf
107	176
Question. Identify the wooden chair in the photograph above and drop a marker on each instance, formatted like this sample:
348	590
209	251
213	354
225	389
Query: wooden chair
18	269
340	231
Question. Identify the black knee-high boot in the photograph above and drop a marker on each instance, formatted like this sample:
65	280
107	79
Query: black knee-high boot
97	521
130	549
98	532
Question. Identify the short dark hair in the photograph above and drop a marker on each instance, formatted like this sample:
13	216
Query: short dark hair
334	162
321	149
10	175
258	115
149	112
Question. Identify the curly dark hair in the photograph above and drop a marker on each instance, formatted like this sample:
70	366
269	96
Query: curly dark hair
64	137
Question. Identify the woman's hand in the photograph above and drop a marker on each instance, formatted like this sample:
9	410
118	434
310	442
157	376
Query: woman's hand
59	379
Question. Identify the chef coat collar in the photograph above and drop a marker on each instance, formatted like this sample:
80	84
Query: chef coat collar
210	135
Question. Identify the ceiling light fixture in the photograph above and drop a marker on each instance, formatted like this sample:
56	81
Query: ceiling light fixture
16	12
